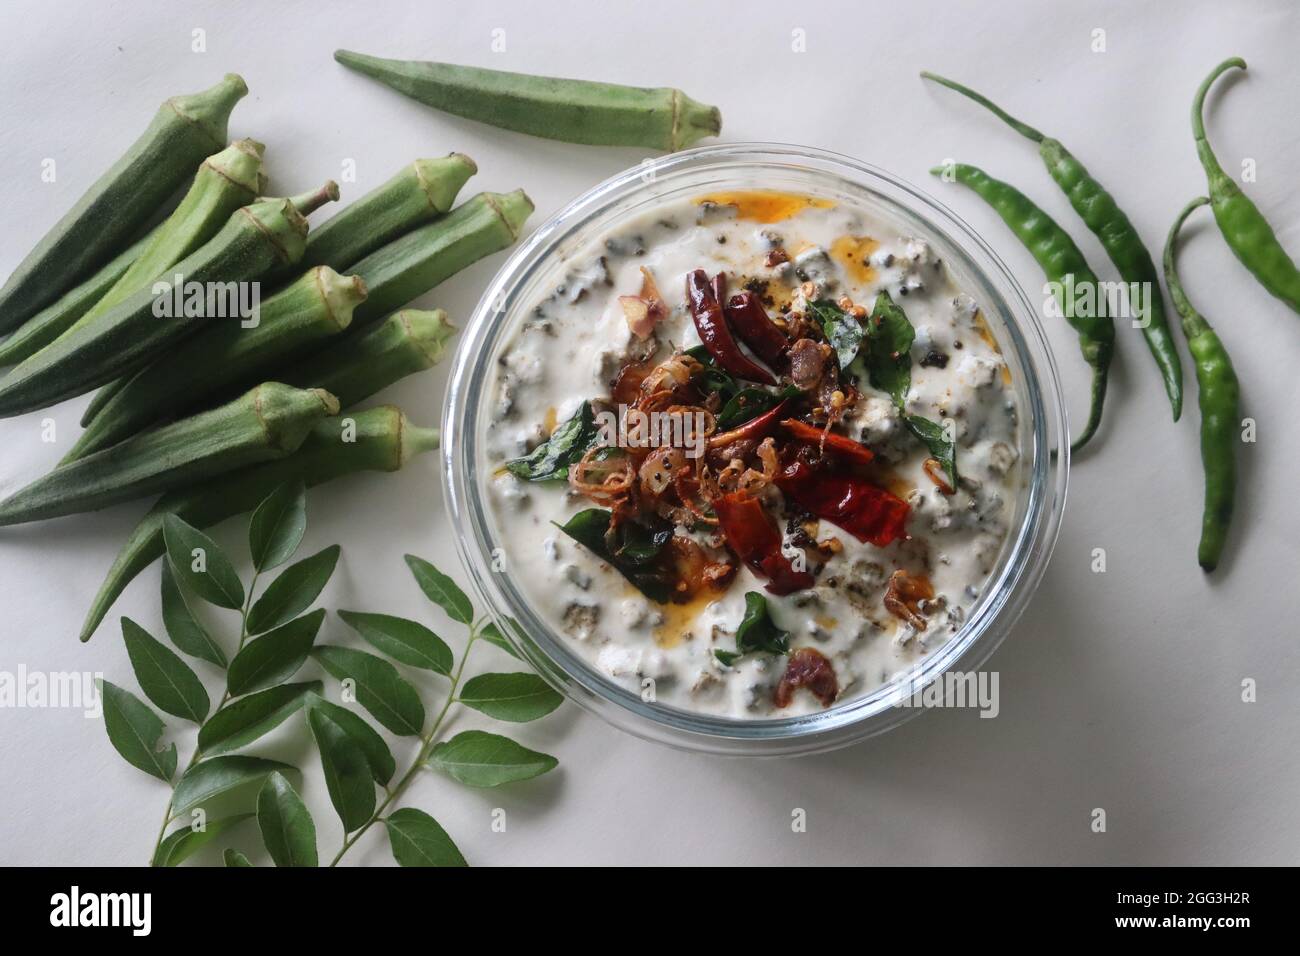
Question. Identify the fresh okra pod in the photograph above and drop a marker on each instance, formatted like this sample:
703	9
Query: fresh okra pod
378	439
412	265
121	202
575	111
423	190
255	240
316	306
225	181
357	367
268	422
55	319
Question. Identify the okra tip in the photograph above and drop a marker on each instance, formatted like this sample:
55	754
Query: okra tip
415	439
513	208
341	294
466	161
693	120
428	330
240	163
442	179
211	108
250	145
286	414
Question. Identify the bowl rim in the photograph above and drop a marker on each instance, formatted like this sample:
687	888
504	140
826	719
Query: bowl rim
1023	563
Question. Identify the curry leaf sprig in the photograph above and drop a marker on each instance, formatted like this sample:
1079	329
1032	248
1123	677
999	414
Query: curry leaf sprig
221	786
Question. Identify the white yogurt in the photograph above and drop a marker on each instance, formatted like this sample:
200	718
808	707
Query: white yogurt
574	341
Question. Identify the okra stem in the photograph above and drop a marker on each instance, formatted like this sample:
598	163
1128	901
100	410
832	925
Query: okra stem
378	439
268	422
119	204
308	202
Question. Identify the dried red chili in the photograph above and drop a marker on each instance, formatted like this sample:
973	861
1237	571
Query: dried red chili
716	335
755	428
867	512
749	320
840	445
757	541
808	668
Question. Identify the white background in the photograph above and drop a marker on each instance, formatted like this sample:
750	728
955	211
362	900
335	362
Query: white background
1120	690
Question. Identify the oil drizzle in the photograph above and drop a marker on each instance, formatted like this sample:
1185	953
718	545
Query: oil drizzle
765	205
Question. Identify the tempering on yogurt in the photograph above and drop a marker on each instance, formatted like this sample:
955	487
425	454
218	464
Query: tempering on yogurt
810	544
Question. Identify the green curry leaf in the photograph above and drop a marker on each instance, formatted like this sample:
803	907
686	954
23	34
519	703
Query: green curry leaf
756	633
550	460
842	330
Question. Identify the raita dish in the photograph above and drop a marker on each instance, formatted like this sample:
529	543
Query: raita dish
759	449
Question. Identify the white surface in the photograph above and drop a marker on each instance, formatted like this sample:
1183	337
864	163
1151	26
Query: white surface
1119	690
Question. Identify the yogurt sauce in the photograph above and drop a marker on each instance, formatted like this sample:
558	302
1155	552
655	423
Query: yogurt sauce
792	249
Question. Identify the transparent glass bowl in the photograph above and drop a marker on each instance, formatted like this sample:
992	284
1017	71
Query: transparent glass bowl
536	267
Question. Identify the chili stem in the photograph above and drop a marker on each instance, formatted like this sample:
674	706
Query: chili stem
1024	129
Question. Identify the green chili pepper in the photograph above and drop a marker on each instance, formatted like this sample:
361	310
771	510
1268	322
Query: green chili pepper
1054	250
1219	401
1244	227
1112	227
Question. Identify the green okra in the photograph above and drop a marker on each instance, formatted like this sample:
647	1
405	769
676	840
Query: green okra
412	265
377	439
268	422
316	306
225	181
255	240
422	190
574	111
55	319
184	131
357	367
305	204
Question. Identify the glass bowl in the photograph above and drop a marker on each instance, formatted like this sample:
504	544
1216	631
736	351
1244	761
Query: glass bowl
536	266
